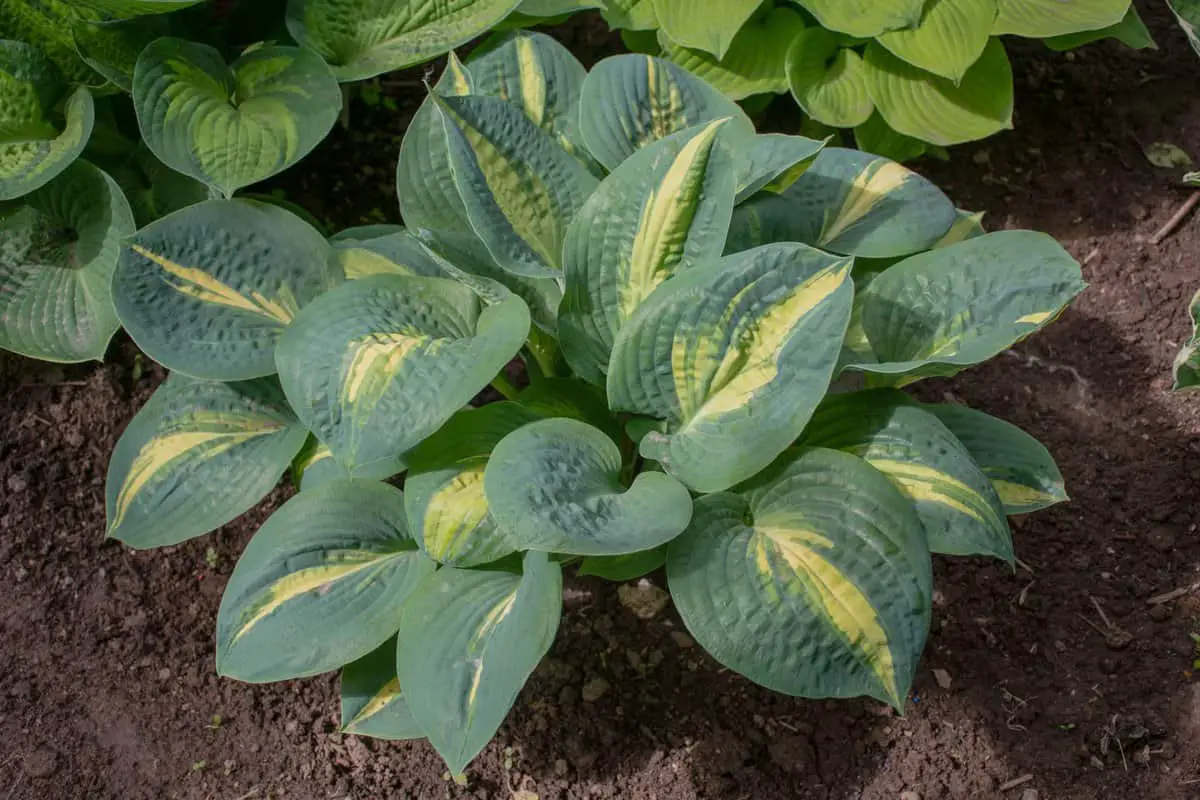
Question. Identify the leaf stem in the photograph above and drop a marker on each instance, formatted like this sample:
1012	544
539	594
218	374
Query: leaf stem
504	386
544	351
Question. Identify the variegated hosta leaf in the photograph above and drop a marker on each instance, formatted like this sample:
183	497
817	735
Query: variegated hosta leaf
1187	362
554	486
938	110
814	580
1131	31
967	225
1021	470
447	509
624	568
46	26
320	584
520	188
735	355
702	24
773	162
938	312
950	38
35	146
960	510
630	101
123	9
876	137
383	250
1187	12
635	15
372	702
828	81
666	207
112	47
364	38
848	202
231	126
208	290
1040	19
316	466
468	641
198	455
865	18
377	365
58	249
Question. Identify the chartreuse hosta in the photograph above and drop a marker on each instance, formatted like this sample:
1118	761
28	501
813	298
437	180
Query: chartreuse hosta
904	74
683	294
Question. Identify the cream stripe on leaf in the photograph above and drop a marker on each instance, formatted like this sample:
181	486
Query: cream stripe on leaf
468	641
955	500
379	364
772	162
389	250
734	355
1020	468
938	312
198	455
814	579
208	289
320	584
316	466
373	703
665	208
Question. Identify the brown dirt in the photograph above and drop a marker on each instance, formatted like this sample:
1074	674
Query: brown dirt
107	687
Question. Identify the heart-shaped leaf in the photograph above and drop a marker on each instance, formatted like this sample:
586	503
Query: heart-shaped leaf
198	455
828	81
231	126
1040	19
208	290
950	38
704	25
554	486
865	18
58	249
372	702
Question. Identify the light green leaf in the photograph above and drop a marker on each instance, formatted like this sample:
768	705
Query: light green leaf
231	126
468	641
377	365
58	249
197	456
208	290
45	25
773	162
553	486
828	81
624	568
383	250
447	509
950	38
1040	19
1187	362
1021	470
702	24
362	39
814	580
950	308
667	207
372	702
940	111
1130	31
735	354
555	8
1187	12
756	61
960	510
1166	155
851	203
635	15
321	584
630	101
865	18
875	136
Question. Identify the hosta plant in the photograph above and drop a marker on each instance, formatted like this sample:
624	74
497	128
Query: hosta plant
684	295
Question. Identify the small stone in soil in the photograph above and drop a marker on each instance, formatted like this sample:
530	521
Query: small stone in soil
1161	612
643	598
682	640
595	689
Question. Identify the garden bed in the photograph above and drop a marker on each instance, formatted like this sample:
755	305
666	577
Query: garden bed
1061	671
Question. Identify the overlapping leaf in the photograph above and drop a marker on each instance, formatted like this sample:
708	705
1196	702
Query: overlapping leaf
865	18
372	701
875	136
702	24
111	47
950	38
382	250
123	9
773	162
1187	12
1187	361
630	14
827	80
46	26
1040	19
1131	31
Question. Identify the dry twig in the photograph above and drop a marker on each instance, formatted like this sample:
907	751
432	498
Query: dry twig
1175	221
1015	782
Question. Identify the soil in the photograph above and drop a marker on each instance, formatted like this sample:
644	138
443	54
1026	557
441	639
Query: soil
1058	680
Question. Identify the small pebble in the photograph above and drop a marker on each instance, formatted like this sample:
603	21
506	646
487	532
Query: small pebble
595	689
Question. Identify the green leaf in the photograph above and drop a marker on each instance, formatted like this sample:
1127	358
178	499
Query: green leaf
46	26
123	9
938	312
624	568
1130	31
703	24
667	207
320	584
555	8
208	290
571	398
968	225
875	136
827	80
755	62
58	249
1187	12
940	111
197	456
850	203
960	510
630	101
372	702
735	354
1021	470
383	250
1041	19
35	147
315	466
950	38
154	189
377	365
635	15
865	18
553	486
364	38
520	188
773	162
1187	362
468	641
231	126
112	47
814	580
447	509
